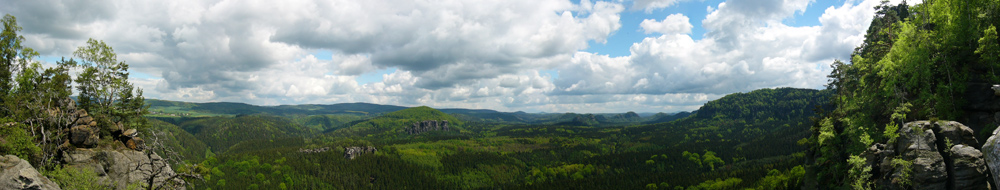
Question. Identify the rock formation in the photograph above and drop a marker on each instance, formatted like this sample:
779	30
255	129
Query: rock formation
130	139
354	151
120	167
425	126
992	154
941	155
84	132
16	173
315	150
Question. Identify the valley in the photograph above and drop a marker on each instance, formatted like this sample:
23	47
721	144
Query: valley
743	140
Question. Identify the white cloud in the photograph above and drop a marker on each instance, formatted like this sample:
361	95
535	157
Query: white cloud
452	53
650	5
673	24
746	48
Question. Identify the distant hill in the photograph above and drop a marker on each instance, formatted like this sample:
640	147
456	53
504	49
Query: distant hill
665	117
173	108
178	112
394	124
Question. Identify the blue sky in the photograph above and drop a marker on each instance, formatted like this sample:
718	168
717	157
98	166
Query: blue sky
507	55
619	42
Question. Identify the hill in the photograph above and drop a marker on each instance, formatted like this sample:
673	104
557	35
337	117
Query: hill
164	108
394	124
220	133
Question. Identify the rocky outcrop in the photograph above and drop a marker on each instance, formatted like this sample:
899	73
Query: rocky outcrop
16	173
314	150
354	151
84	132
991	150
119	168
425	126
926	155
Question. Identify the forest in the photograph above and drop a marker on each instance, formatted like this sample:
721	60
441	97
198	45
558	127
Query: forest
745	140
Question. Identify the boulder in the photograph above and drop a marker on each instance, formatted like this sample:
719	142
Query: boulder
956	133
130	133
16	173
84	136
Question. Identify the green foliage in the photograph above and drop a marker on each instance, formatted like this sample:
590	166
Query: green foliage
13	55
14	140
904	178
859	173
188	147
221	133
104	89
712	160
915	63
717	184
651	186
989	50
791	179
75	178
693	157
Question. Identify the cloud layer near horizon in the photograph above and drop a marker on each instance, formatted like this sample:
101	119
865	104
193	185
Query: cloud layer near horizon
506	55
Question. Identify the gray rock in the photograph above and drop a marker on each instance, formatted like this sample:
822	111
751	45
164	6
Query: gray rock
957	133
928	170
85	136
119	167
991	151
16	173
916	136
425	126
352	152
933	164
969	168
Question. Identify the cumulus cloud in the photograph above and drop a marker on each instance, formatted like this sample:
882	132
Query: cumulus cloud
452	53
746	48
673	24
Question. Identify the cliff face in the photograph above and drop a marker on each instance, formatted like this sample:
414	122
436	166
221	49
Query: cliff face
929	155
16	173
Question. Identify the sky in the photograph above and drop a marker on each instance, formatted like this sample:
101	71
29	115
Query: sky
509	55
